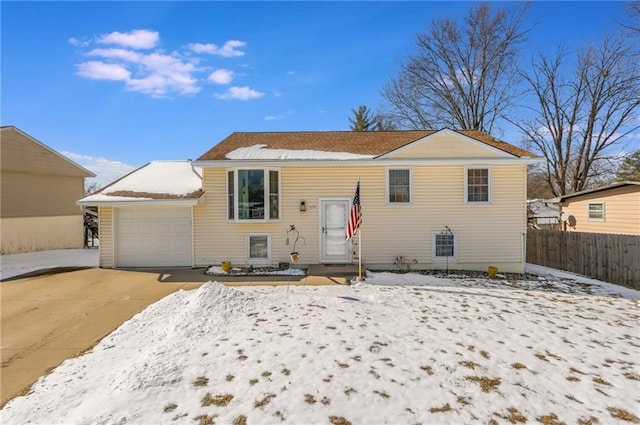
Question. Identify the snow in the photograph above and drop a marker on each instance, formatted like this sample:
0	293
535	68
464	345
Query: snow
217	271
17	264
261	152
166	177
396	349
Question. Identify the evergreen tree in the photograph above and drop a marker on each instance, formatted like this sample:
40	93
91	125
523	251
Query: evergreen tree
629	170
363	119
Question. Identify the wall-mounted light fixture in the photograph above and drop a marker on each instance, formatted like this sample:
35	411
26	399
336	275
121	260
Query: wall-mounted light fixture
303	206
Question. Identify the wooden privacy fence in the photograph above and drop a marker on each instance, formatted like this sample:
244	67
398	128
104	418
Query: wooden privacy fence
603	256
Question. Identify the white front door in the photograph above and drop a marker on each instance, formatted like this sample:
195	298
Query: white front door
334	214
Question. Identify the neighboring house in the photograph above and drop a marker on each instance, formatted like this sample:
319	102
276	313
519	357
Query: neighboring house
610	209
38	191
414	186
543	214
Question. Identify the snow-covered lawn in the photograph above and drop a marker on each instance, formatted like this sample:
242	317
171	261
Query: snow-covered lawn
398	349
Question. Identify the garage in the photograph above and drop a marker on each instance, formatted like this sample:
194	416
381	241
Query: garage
153	236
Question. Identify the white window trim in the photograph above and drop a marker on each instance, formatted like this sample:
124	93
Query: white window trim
248	253
433	248
604	211
267	213
386	186
466	185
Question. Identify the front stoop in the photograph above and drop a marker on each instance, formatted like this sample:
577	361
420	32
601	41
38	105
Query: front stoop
348	271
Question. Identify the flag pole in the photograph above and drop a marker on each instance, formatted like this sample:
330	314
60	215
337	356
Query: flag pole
360	241
359	255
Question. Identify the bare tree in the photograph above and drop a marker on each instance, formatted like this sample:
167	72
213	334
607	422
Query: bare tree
633	13
463	73
581	111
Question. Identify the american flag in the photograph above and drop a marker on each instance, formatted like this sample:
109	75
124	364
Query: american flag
355	215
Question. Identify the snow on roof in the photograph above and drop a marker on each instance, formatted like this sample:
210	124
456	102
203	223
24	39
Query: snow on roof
261	152
156	180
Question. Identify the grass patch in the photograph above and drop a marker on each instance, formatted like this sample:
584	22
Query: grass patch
338	420
170	407
205	420
442	409
201	381
574	370
591	420
623	415
573	378
542	357
485	354
349	390
486	384
219	400
518	366
601	381
572	398
632	376
326	401
229	377
266	374
309	399
253	381
266	400
514	416
469	365
382	394
342	365
240	420
427	369
550	419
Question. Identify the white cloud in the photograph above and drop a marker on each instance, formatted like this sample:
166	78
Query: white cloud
103	71
136	39
115	53
77	42
229	49
155	72
279	117
106	170
242	93
221	76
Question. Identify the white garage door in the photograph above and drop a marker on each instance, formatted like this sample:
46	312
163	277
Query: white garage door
153	237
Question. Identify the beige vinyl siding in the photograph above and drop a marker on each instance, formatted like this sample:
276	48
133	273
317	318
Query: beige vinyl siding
29	234
23	155
445	146
38	195
621	210
488	233
105	215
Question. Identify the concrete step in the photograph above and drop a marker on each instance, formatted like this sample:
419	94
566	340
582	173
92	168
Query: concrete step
333	270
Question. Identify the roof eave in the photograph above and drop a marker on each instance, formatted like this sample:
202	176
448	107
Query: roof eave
142	202
230	163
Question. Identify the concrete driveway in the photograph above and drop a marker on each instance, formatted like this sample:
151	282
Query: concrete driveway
49	318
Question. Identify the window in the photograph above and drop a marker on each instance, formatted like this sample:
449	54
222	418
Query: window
399	186
253	194
596	211
477	185
444	245
258	248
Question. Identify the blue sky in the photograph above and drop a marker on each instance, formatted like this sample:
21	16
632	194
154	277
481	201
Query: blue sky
114	85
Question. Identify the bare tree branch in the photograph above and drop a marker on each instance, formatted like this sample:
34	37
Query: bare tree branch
583	111
462	75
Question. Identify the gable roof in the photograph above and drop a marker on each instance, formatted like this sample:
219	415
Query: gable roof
155	181
76	169
597	189
367	143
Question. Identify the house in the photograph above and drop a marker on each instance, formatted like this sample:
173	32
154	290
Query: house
543	214
609	209
38	190
445	198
